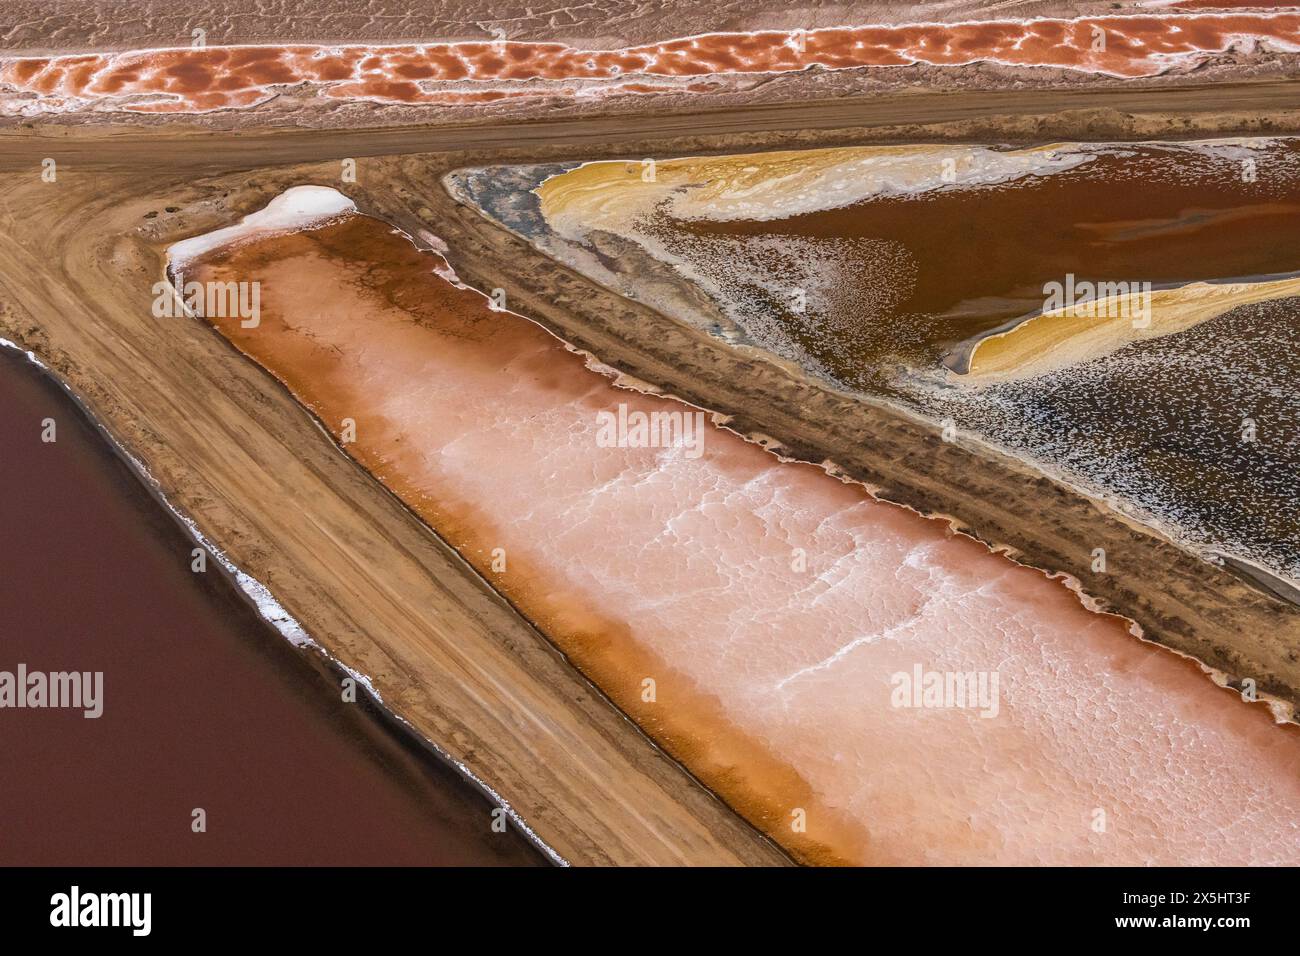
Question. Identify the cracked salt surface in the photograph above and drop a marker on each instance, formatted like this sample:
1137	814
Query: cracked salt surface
643	563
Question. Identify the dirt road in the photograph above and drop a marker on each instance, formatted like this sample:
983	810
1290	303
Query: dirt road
1259	107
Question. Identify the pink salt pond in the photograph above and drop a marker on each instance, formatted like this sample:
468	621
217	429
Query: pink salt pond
860	683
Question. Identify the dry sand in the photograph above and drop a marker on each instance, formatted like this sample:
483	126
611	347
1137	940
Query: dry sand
1068	336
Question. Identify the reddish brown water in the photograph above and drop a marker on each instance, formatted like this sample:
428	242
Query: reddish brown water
204	706
194	80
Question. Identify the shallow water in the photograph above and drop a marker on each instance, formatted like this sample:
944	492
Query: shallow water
204	705
773	607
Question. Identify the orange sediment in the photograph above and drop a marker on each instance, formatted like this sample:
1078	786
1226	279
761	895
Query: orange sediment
779	613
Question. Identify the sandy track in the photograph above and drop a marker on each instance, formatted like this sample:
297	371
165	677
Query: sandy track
1258	107
233	450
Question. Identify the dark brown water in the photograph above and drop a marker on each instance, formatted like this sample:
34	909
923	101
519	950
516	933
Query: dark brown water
904	279
204	705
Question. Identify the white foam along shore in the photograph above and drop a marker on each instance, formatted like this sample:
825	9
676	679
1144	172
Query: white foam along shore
299	207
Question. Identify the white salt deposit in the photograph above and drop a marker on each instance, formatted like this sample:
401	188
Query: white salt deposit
297	208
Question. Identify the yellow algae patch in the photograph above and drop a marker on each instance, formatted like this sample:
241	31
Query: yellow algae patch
611	195
1072	334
